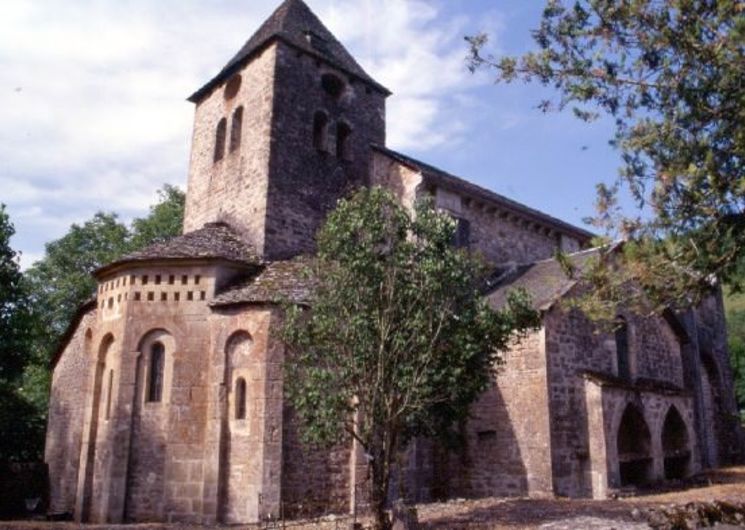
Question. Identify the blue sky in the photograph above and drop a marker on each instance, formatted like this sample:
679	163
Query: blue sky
93	113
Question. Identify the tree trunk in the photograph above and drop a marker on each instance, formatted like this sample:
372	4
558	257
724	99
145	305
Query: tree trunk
380	478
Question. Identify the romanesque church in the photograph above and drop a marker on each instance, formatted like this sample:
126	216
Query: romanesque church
167	393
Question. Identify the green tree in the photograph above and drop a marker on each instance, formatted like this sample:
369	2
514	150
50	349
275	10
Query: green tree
14	309
398	341
670	74
165	220
62	280
21	428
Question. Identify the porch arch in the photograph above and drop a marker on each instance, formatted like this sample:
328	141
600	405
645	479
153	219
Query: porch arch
634	445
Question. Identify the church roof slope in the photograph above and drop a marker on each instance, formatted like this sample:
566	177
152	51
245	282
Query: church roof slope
213	241
280	281
294	23
441	178
545	281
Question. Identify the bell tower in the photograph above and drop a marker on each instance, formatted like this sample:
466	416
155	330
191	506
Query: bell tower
281	133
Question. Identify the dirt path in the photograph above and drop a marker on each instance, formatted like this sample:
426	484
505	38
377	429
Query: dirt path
510	514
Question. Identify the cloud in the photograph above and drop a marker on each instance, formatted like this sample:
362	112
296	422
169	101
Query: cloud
92	110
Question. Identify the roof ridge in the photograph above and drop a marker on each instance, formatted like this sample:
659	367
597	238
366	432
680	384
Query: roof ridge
295	23
478	189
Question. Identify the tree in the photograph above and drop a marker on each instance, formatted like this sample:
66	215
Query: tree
670	73
62	280
398	341
19	424
14	309
165	220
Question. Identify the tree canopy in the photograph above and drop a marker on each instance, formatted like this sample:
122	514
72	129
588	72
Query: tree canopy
14	308
670	73
398	341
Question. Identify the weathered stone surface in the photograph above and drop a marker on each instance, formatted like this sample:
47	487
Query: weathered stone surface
167	393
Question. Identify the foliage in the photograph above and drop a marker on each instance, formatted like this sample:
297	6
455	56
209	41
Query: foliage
734	304
670	73
14	309
62	280
20	425
55	287
398	341
165	220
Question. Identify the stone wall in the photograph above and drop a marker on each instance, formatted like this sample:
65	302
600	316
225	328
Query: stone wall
234	189
67	405
498	234
507	439
723	441
403	181
574	347
305	179
654	408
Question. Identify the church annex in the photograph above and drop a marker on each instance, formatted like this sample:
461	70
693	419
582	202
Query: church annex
167	392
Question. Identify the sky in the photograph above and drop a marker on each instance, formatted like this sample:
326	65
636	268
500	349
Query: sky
94	117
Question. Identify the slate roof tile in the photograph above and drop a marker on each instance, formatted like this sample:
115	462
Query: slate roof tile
280	281
213	241
545	281
298	26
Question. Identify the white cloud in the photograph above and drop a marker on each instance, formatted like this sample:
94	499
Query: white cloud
92	110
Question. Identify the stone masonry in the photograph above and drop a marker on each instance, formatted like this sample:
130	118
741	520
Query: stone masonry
167	390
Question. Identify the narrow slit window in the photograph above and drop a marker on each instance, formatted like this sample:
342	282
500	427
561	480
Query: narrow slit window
320	132
236	129
155	384
240	399
220	140
622	349
343	133
108	394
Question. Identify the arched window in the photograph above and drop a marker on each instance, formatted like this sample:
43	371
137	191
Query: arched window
240	399
155	381
333	85
622	349
236	126
320	132
220	139
343	132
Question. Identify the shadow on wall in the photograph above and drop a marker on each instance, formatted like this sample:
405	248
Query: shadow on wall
490	462
314	481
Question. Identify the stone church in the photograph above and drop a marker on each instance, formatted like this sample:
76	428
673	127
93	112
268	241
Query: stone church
167	393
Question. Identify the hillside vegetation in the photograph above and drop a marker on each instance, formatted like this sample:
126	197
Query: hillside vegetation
735	307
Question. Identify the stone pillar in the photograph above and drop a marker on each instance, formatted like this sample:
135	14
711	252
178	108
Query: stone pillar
598	456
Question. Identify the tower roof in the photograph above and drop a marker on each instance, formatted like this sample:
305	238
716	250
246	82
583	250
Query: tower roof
295	24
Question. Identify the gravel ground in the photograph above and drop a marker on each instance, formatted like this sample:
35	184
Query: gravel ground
628	513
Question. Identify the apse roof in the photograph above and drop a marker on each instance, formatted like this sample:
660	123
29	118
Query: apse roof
213	241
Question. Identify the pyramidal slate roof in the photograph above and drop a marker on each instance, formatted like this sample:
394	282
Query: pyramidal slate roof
213	241
294	23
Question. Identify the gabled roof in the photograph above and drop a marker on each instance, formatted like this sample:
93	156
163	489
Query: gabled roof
280	281
294	23
214	241
440	178
545	281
